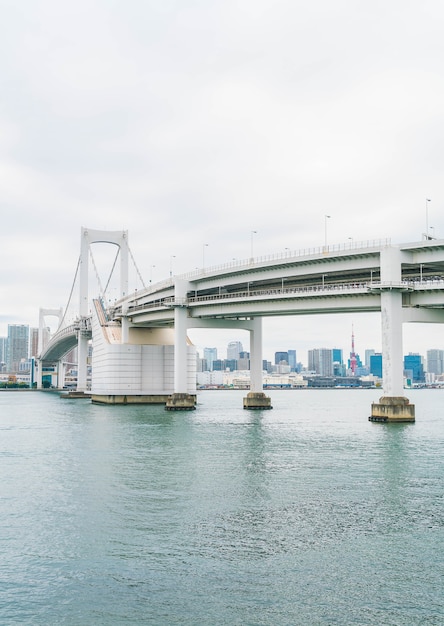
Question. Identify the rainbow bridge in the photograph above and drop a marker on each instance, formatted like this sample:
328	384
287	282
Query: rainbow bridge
140	348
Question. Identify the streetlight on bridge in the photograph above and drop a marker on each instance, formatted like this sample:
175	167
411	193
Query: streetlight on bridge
172	256
427	218
253	232
205	245
326	217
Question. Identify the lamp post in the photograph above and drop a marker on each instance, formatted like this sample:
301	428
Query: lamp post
253	232
172	256
151	273
427	218
205	245
326	217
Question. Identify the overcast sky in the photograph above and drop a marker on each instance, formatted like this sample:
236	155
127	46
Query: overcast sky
197	121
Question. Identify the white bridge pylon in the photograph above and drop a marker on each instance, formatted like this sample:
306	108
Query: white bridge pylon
88	237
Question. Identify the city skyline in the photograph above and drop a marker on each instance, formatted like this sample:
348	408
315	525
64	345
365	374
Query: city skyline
213	133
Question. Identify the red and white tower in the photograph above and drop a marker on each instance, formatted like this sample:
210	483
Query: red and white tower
353	359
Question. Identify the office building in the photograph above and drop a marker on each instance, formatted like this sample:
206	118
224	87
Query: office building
234	349
3	344
337	355
320	361
292	360
368	353
435	362
17	346
413	367
279	357
376	364
33	342
243	362
210	355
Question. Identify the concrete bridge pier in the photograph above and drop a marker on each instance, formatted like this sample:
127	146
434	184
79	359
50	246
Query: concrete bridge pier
393	406
256	398
61	370
180	400
82	365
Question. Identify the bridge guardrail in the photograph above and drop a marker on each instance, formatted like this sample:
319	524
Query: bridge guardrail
367	286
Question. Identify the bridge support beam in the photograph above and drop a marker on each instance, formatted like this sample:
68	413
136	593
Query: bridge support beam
256	398
393	406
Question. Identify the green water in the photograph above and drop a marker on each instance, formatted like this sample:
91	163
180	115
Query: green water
304	515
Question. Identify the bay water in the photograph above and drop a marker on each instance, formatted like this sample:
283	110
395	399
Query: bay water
307	514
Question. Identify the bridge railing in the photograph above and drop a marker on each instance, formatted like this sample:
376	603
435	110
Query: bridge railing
239	264
81	324
170	301
318	289
289	255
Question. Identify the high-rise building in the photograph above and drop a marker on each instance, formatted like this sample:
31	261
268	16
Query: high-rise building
376	364
243	362
3	344
234	349
320	361
368	353
210	355
413	367
279	357
292	360
17	346
435	362
34	341
337	355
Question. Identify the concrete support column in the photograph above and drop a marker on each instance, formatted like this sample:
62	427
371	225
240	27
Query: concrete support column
82	356
391	336
181	400
61	374
393	406
38	373
180	351
256	398
256	383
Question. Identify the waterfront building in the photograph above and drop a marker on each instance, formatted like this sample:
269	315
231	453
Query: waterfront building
413	367
279	357
435	362
17	346
337	355
33	342
243	362
210	355
292	362
376	364
320	361
368	353
234	349
3	344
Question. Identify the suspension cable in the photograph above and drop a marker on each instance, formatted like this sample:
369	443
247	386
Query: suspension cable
135	265
112	270
70	295
95	269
